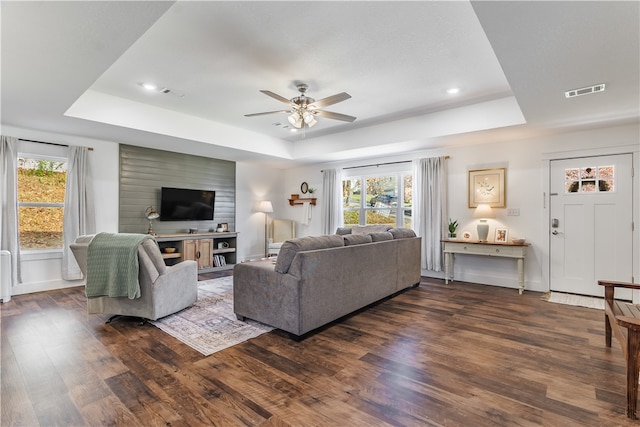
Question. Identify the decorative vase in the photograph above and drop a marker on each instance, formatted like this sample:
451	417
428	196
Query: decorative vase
483	230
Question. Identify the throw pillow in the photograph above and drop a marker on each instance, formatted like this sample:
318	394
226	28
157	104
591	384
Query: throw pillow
356	239
343	230
402	233
380	237
370	229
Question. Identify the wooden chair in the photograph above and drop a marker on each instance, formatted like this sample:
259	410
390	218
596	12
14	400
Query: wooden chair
623	319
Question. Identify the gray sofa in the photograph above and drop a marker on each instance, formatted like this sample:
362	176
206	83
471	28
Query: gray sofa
317	280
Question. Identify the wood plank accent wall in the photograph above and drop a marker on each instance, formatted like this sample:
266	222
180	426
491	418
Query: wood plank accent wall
143	171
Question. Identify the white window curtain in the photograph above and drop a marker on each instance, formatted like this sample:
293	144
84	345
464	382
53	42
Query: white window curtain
430	208
9	198
79	210
332	216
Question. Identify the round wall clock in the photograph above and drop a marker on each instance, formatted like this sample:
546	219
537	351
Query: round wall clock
304	188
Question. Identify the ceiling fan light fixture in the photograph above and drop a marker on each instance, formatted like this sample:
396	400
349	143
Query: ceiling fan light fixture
308	117
295	119
303	109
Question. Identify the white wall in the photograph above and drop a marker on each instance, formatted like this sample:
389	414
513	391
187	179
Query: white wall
255	183
526	179
292	181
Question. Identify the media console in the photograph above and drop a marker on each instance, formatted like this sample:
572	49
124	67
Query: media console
212	251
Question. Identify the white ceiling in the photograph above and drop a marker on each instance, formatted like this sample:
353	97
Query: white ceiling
75	68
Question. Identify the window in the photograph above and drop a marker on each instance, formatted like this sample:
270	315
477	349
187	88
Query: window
589	179
41	188
378	199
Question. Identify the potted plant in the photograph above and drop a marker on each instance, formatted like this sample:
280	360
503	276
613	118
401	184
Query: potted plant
453	226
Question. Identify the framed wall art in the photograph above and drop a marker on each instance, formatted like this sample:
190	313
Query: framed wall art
501	235
486	186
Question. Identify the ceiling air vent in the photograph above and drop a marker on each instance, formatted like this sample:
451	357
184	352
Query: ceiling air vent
584	91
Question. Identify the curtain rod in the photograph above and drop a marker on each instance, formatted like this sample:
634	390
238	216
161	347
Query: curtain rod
48	143
382	164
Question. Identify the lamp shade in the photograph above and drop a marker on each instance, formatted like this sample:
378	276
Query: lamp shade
309	119
483	211
265	206
150	213
295	119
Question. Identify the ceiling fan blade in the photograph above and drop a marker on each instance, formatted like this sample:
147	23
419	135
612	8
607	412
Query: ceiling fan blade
335	116
267	112
276	96
330	100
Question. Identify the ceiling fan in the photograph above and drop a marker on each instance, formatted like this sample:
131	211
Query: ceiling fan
304	110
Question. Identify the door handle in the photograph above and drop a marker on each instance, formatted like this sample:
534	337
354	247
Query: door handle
555	232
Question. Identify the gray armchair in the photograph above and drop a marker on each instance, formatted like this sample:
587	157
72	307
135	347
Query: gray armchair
163	290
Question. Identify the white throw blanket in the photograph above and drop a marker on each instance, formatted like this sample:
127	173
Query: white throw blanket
306	213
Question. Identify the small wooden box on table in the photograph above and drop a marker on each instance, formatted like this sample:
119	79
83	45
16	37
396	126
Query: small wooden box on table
623	319
505	250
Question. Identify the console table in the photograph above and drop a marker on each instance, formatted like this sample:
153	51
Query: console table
505	250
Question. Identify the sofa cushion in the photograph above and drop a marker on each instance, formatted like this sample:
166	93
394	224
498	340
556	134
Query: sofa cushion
343	230
402	233
291	247
369	229
356	239
381	236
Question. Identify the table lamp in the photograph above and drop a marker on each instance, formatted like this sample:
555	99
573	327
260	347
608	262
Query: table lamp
151	214
483	212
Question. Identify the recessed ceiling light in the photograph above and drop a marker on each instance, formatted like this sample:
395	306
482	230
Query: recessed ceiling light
453	90
149	86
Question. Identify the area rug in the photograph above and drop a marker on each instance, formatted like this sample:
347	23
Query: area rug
571	299
210	325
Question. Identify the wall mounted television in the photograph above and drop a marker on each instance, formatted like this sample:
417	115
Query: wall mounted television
183	204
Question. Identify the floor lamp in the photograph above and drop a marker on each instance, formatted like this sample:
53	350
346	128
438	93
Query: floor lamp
265	207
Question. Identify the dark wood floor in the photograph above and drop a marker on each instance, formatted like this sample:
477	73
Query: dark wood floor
437	355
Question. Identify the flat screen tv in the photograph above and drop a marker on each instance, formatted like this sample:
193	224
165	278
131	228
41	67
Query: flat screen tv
182	204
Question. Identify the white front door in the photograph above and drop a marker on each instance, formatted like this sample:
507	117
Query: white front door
591	223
